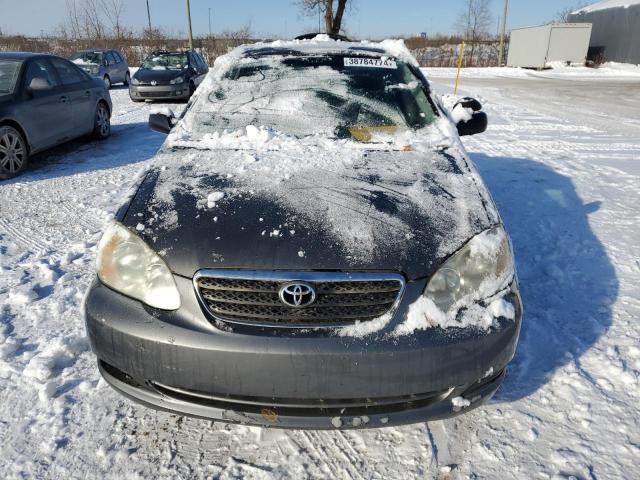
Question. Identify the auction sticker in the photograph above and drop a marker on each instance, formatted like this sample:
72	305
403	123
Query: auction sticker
369	62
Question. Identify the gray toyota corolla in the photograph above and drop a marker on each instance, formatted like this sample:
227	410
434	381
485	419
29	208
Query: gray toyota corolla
312	248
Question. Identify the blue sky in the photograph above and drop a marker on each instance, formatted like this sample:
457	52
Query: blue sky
369	18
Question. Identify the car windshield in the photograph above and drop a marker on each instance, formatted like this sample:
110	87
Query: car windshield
9	70
166	61
87	57
345	97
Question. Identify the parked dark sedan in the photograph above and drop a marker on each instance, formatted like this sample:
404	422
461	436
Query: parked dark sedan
313	249
45	101
168	76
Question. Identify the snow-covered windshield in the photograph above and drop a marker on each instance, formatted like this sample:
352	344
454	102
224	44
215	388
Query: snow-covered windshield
339	96
166	61
9	70
87	57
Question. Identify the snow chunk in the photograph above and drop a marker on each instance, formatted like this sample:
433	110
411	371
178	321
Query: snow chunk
213	198
336	422
459	402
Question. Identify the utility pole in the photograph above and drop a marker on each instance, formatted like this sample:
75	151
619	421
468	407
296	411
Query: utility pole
189	25
503	33
149	16
209	22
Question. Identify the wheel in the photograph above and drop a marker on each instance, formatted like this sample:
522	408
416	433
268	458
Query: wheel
13	152
127	79
102	125
107	82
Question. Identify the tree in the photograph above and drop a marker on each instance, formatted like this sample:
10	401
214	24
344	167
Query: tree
113	10
563	15
474	23
332	11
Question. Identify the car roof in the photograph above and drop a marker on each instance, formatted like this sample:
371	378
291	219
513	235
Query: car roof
21	55
95	50
325	45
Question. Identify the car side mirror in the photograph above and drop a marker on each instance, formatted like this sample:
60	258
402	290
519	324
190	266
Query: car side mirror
38	84
161	122
468	102
478	121
476	124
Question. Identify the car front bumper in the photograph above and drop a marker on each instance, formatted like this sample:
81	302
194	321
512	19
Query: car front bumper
159	92
180	362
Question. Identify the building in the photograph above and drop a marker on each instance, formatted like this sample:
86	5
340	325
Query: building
541	46
616	30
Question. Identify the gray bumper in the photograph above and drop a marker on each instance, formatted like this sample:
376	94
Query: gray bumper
202	366
159	92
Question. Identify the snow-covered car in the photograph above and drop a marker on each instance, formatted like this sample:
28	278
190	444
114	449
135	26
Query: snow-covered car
312	249
45	101
109	66
167	75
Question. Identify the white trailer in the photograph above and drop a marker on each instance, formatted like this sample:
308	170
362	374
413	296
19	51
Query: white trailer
537	47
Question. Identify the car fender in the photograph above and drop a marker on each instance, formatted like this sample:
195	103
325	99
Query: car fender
11	122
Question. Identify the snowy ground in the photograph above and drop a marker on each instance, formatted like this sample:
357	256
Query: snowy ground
562	160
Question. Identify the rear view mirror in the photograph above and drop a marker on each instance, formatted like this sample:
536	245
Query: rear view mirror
161	122
39	84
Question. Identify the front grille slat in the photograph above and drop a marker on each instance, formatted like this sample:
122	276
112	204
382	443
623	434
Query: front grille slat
252	298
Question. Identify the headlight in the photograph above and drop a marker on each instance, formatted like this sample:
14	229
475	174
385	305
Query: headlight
129	266
135	81
482	268
177	80
95	70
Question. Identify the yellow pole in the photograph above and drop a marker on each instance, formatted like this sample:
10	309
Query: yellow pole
455	90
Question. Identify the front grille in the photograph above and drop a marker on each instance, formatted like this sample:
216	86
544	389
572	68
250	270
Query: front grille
154	94
252	298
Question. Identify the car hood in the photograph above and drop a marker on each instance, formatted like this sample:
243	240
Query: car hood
147	75
310	209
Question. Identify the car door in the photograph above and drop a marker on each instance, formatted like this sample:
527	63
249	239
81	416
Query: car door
44	114
79	88
113	68
122	66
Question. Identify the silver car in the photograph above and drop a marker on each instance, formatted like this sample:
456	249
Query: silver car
108	65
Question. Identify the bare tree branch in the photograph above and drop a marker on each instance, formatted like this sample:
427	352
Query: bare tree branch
332	11
474	22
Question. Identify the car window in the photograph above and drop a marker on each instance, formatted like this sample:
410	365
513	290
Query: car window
166	61
9	71
201	63
40	69
119	57
338	96
68	73
111	60
87	58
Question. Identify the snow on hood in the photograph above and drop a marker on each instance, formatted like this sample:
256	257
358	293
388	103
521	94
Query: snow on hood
256	199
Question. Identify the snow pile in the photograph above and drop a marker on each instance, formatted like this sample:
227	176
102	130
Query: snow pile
607	4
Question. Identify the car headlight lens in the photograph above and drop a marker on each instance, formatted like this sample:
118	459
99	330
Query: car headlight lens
482	268
135	81
177	80
128	265
95	70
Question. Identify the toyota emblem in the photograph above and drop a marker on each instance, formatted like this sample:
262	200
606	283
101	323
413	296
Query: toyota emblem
297	294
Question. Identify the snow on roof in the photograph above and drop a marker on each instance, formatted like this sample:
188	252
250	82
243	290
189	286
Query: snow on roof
606	4
324	44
